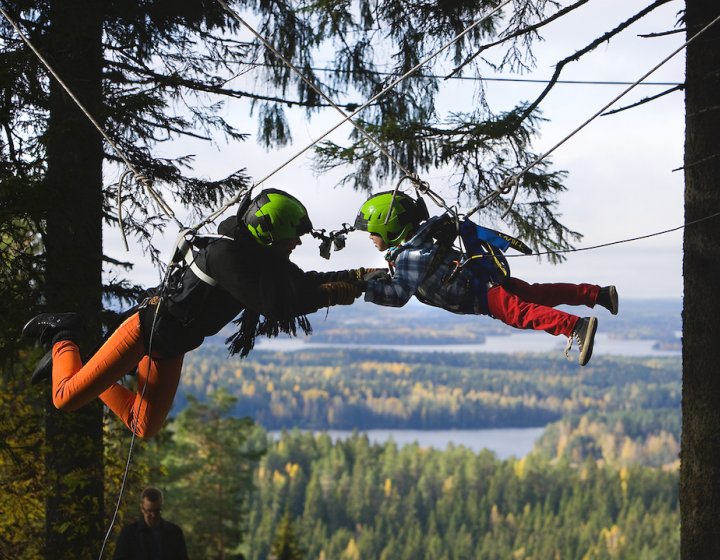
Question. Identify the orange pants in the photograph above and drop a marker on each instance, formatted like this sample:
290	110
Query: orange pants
75	384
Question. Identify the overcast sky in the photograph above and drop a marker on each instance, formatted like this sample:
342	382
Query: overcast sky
621	182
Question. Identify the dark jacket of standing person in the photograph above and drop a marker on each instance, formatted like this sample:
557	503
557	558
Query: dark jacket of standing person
152	537
137	542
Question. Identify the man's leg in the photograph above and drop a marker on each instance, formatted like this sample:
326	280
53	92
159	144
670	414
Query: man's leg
75	384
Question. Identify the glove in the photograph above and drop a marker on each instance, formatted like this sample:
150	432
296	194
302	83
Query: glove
340	293
375	274
357	274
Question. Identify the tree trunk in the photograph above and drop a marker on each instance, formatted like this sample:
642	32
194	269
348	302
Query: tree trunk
74	445
700	447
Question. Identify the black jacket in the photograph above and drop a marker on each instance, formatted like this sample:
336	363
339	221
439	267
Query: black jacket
249	276
136	542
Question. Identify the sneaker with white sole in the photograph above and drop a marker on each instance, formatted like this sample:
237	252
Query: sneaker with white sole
584	335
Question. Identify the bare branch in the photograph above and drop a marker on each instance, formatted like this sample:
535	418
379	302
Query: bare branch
574	57
663	34
517	33
644	100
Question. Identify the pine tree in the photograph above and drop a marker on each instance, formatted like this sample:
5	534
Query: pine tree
285	545
210	465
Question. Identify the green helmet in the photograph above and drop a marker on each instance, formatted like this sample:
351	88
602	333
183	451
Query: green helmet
274	215
405	215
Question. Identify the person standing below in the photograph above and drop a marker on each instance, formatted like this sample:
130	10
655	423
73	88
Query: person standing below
152	537
419	266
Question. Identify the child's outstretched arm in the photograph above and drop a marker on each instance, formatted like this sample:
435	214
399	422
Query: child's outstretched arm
396	290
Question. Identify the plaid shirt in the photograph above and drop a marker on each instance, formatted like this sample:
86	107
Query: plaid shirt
410	278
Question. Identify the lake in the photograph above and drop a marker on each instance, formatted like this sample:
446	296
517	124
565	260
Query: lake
530	342
504	442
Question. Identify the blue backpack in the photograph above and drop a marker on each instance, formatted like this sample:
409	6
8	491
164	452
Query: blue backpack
484	247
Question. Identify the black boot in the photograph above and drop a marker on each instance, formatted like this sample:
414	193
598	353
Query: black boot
43	369
608	298
45	326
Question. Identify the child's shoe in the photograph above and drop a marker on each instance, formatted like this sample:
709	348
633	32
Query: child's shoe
608	298
584	335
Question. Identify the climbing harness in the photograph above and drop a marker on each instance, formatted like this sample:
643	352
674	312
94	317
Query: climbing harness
480	249
187	246
486	249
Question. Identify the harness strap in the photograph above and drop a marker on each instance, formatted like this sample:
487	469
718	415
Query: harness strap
186	256
189	258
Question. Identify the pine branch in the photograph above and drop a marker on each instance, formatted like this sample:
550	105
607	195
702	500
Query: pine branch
177	81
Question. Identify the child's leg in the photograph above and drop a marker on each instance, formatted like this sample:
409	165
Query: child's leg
513	311
553	294
74	385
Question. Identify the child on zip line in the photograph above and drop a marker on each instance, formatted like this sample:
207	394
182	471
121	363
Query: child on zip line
427	268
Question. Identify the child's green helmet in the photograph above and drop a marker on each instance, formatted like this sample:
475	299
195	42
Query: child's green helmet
405	215
274	215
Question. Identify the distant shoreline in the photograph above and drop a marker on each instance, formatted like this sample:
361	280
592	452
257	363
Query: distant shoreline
512	343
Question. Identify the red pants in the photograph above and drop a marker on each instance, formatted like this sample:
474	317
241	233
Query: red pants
530	306
75	384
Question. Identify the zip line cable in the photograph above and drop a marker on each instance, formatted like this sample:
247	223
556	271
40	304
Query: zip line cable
144	181
334	105
515	179
488	78
310	83
620	241
362	107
